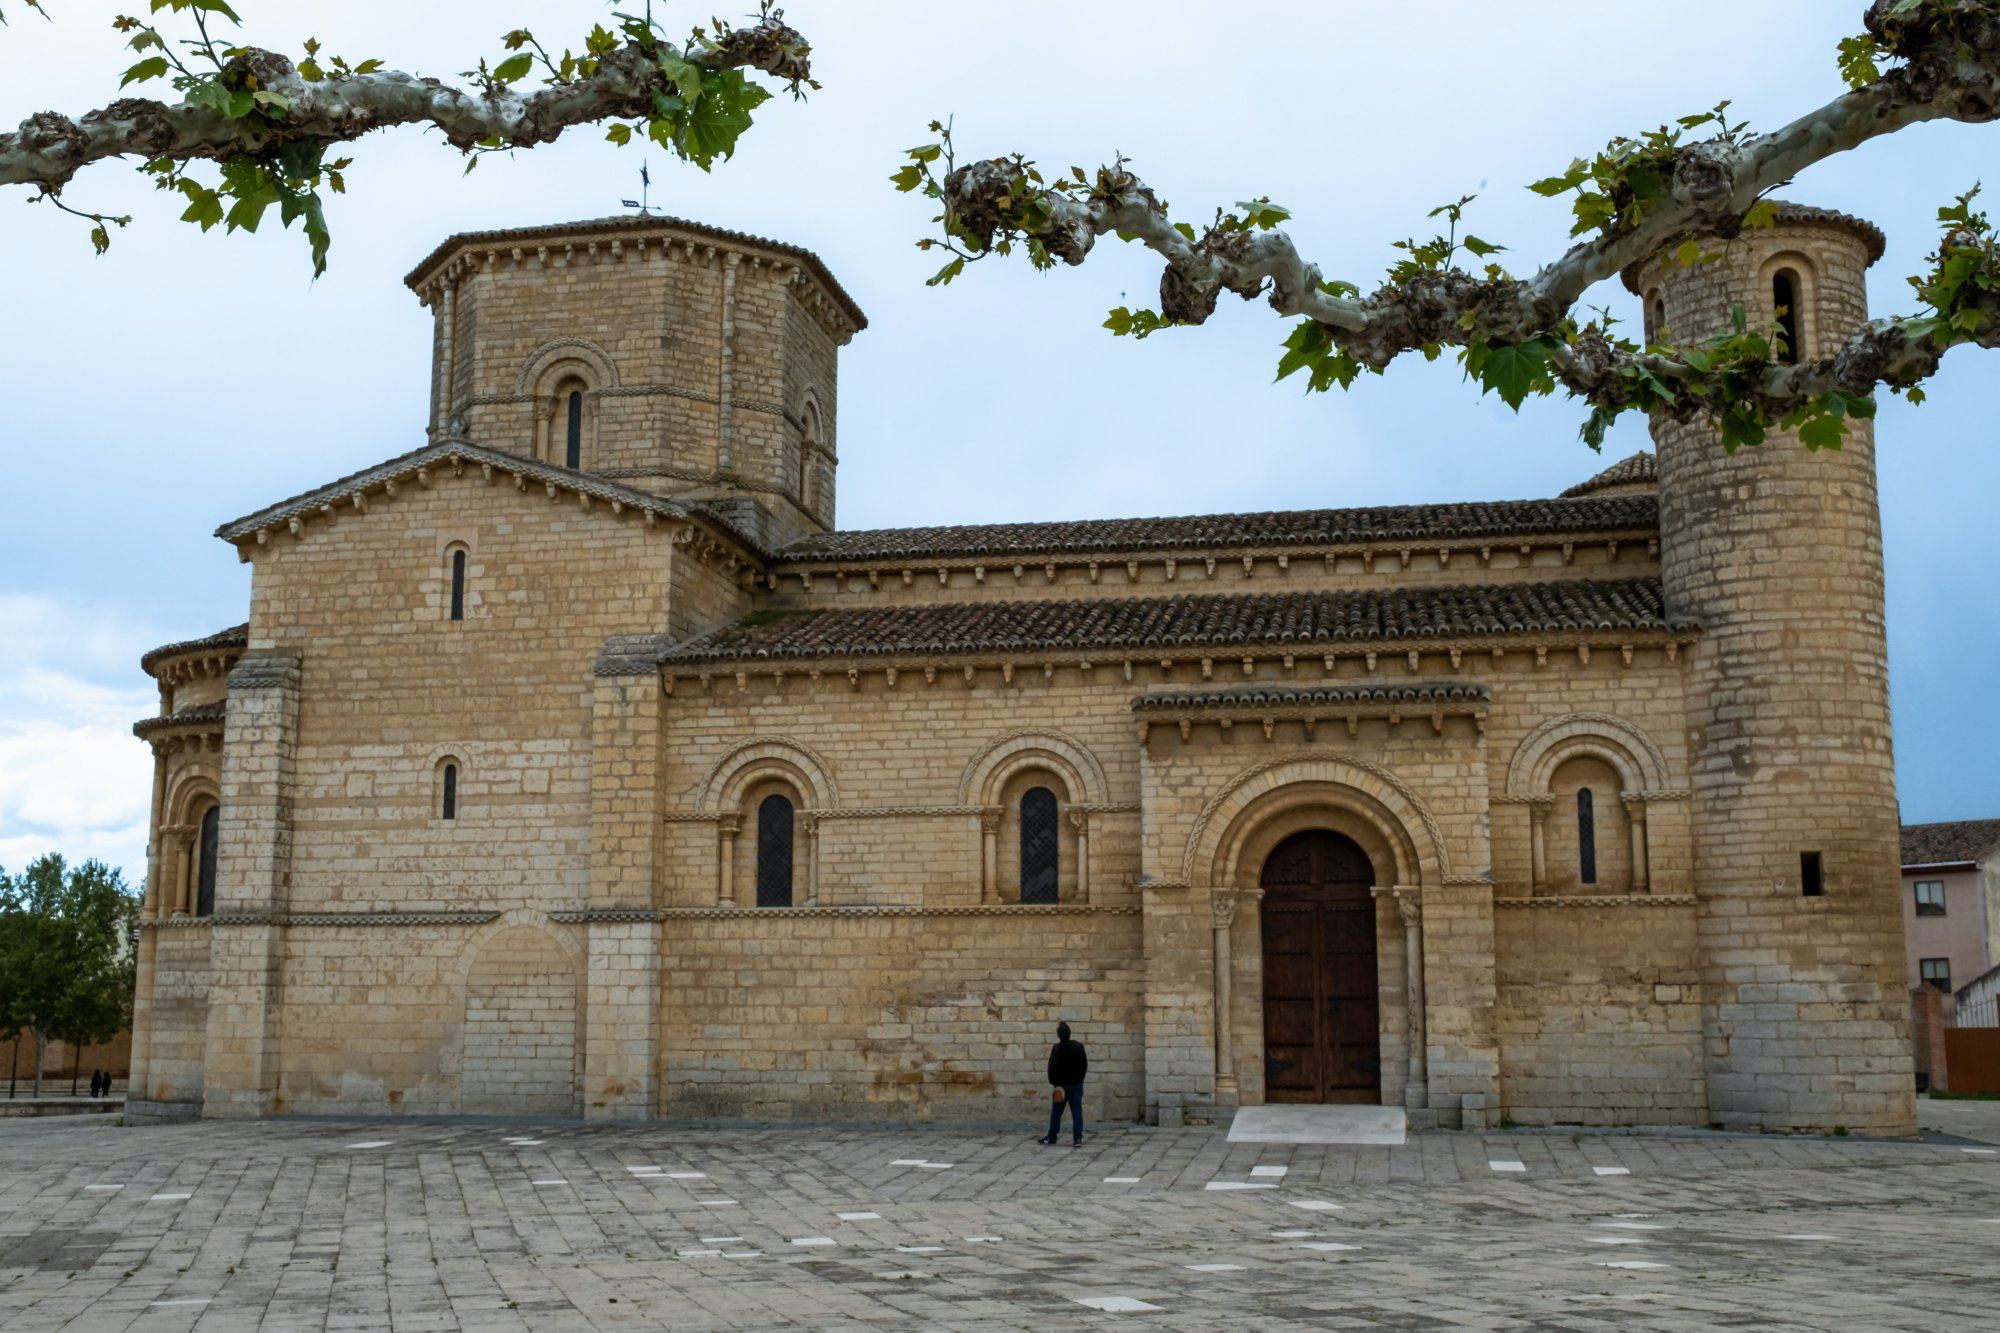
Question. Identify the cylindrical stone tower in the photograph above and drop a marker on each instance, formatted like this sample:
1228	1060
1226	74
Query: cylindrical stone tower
1778	551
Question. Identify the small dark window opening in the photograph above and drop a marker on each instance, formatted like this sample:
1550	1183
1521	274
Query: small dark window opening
211	838
1586	837
774	852
448	797
458	585
1039	853
1656	317
1930	897
573	446
1935	972
1785	300
1812	875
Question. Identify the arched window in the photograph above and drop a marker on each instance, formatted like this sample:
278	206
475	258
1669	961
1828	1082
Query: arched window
808	443
211	838
573	431
1586	837
1039	846
1656	316
448	790
774	851
1785	304
458	583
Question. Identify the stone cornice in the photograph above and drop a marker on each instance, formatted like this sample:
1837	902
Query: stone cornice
1602	900
439	918
863	911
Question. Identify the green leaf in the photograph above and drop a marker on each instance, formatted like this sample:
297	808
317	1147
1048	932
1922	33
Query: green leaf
947	273
1513	371
619	134
908	178
929	152
1263	214
150	68
1762	214
514	67
1481	248
1823	432
100	238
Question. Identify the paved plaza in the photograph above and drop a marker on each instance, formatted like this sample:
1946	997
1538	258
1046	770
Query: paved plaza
371	1224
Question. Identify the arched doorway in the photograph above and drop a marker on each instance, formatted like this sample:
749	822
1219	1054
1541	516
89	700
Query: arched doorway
1322	1034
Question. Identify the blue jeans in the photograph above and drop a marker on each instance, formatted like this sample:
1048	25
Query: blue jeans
1073	1099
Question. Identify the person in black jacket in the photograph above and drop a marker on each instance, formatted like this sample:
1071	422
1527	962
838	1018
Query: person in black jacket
1067	1066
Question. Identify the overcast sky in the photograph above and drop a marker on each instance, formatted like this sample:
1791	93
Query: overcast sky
187	379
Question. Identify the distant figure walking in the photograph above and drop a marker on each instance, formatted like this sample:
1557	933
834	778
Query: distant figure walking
1067	1066
96	1082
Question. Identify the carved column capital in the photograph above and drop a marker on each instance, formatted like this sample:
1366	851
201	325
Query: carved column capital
1635	804
989	819
1079	820
1222	904
729	825
1539	807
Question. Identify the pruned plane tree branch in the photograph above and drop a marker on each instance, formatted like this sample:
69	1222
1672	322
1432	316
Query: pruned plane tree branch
1674	192
267	121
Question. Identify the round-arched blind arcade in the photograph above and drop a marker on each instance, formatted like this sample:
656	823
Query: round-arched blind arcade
774	851
1040	854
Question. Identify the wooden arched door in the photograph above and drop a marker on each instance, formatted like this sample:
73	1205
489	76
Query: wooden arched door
1322	1038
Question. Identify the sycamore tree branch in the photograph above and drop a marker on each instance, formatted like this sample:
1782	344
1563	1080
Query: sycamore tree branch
50	148
1640	197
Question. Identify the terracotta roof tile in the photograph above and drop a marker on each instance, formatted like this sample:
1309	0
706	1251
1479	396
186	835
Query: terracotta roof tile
1304	527
1305	696
236	636
1944	844
1188	622
632	223
1640	469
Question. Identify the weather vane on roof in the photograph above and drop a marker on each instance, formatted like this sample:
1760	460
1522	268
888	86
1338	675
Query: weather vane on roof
644	202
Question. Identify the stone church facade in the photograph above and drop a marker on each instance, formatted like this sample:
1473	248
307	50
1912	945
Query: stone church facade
576	763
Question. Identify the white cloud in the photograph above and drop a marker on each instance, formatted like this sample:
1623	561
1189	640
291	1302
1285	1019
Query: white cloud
73	778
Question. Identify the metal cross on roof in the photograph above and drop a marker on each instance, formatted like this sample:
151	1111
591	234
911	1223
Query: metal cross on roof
644	202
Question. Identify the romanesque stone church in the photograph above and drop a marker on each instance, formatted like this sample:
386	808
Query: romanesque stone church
578	763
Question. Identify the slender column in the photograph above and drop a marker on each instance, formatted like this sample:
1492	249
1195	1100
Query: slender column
726	829
725	458
183	899
1416	1088
989	856
1635	817
447	356
1222	907
1538	818
1081	822
809	830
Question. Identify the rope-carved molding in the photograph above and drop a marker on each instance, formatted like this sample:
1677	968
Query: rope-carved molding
773	756
1000	758
1603	900
1599	735
551	354
969	909
1207	835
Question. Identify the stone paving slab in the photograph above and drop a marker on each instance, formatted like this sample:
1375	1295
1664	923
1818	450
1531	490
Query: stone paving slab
407	1225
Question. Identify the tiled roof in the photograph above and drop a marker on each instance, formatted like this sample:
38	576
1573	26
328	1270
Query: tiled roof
1640	469
199	714
1306	696
1190	622
236	636
633	223
1944	844
1869	234
1303	527
407	465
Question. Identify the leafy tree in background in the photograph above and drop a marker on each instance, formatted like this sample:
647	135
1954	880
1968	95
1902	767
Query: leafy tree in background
67	954
252	129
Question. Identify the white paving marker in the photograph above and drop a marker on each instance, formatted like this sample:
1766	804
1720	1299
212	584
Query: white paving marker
722	1240
552	1181
527	1143
1317	1205
1214	1268
699	1254
1809	1235
371	1143
716	1203
813	1240
1239	1185
168	1198
1628	1263
104	1187
859	1217
921	1249
1508	1166
1113	1304
192	1300
1293	1234
687	1175
742	1254
982	1240
1633	1226
935	1166
1326	1246
908	1161
1614	1240
1986	1152
1612	1170
1269	1170
1121	1180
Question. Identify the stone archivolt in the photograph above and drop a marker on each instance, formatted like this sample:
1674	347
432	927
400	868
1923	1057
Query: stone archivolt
640	652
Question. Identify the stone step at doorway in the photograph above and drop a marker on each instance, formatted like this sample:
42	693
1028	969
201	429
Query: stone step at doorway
1297	1123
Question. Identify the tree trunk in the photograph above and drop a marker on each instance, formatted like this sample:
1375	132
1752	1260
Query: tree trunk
13	1066
41	1053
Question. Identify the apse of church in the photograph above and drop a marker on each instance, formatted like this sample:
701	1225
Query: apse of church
575	762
